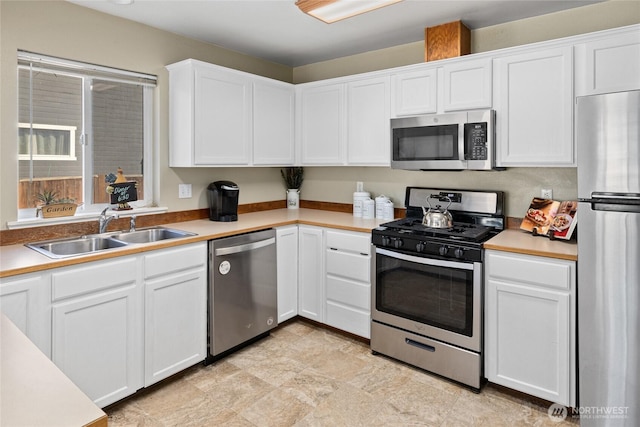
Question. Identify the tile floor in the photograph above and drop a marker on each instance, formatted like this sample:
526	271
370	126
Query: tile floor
305	375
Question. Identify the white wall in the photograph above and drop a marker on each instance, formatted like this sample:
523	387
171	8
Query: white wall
59	28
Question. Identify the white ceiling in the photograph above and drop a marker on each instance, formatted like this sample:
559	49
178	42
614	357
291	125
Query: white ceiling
277	31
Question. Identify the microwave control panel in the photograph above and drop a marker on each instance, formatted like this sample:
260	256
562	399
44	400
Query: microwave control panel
476	141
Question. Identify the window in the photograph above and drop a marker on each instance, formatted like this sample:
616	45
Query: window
79	123
48	142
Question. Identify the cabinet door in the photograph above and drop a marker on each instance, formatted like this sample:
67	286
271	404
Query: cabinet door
528	339
311	269
287	246
322	124
414	92
530	325
222	119
26	300
467	85
534	108
368	137
97	343
175	325
273	116
97	338
608	65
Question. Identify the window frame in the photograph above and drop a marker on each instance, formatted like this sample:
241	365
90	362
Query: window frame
89	72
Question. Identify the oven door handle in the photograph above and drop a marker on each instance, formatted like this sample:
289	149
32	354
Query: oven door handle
425	261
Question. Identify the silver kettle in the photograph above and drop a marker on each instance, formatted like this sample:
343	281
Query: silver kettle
436	218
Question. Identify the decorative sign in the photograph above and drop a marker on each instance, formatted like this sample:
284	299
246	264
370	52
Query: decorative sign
124	192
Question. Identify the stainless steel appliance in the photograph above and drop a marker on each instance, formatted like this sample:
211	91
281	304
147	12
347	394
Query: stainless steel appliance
427	284
456	141
223	201
242	290
608	140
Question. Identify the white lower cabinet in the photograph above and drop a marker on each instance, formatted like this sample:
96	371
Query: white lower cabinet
348	281
530	325
287	247
311	273
334	284
26	301
125	323
97	327
175	315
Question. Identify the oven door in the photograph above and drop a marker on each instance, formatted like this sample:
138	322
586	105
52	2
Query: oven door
435	298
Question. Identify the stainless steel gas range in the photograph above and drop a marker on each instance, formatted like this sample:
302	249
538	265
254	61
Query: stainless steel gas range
427	283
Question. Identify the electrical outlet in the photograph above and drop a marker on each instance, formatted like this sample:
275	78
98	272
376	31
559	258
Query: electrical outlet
184	191
546	193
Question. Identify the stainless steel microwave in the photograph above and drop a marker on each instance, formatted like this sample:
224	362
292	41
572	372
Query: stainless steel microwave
456	141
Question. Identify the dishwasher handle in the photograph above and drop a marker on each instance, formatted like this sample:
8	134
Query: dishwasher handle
245	247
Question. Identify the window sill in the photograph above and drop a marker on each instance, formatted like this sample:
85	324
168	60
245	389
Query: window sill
80	217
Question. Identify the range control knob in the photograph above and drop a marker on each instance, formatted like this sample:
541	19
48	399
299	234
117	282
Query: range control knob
398	243
458	253
385	240
443	250
420	247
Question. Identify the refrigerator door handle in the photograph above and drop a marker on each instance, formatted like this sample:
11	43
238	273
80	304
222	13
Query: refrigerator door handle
631	198
614	202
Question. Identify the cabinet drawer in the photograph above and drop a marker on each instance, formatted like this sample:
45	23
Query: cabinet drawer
93	277
175	259
352	266
349	242
348	319
348	292
536	270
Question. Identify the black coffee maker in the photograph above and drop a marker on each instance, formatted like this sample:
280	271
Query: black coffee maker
223	201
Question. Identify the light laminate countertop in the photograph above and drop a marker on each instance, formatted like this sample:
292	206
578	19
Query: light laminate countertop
34	391
18	259
521	242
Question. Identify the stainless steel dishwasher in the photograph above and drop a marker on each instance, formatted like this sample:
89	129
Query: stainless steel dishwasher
242	290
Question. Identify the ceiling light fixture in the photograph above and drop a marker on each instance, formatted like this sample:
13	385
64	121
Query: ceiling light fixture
331	11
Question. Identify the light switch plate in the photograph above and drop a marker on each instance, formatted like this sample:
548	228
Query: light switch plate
184	191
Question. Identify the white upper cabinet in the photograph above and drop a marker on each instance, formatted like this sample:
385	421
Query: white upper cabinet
462	84
610	64
273	121
534	108
467	85
344	122
321	124
224	117
414	92
368	122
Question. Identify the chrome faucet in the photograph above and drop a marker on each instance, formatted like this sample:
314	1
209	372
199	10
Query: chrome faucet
132	223
104	220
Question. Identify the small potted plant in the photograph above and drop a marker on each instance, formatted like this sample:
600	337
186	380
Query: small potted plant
293	177
51	206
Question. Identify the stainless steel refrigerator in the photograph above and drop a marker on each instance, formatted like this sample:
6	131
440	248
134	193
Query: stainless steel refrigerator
608	144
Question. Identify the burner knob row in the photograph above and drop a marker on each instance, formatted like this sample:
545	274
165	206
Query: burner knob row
392	241
444	250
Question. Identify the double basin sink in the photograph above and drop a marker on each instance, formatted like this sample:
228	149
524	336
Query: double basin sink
75	246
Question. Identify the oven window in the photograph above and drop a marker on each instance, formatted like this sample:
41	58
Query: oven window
426	143
438	296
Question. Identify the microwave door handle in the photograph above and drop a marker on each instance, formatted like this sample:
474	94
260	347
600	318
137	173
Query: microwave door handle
461	146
